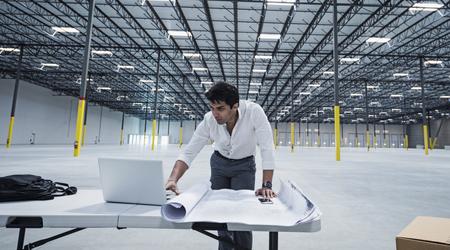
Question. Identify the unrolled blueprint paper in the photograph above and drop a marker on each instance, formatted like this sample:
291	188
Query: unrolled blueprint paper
200	203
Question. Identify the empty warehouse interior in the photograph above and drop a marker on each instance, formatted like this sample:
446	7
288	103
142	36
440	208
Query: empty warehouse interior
354	98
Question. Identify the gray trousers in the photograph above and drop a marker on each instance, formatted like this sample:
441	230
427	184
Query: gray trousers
236	175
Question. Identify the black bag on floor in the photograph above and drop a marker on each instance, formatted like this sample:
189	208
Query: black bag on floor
31	187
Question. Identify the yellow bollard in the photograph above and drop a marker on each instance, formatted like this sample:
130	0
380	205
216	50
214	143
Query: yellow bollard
10	132
434	143
275	138
425	138
292	136
367	140
406	142
121	137
153	134
79	127
84	134
337	132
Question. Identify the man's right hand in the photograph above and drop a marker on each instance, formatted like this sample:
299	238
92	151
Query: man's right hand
172	186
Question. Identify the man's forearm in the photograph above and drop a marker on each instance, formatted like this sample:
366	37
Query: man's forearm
178	170
267	175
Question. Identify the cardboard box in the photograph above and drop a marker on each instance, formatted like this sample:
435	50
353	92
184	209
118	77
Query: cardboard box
425	233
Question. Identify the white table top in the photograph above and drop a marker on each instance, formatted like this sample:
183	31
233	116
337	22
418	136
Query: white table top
88	209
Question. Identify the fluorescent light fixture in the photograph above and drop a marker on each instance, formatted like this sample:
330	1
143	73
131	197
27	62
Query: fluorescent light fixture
130	67
432	62
159	89
192	55
426	6
383	113
315	85
9	50
48	65
327	108
267	36
358	109
349	59
401	75
255	84
64	30
328	73
305	93
102	52
137	104
199	69
356	94
375	104
259	70
396	95
206	83
145	81
444	96
348	112
87	80
263	57
54	65
396	110
280	2
416	88
104	88
372	87
253	91
378	40
179	33
143	1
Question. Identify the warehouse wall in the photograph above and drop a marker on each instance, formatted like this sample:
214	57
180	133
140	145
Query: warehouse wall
416	135
53	118
393	136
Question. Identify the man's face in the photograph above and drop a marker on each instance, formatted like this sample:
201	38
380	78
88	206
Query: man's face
222	111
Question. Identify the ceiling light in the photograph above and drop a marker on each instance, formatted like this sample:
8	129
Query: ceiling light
48	65
426	6
378	40
401	74
350	59
396	95
328	73
159	89
305	93
102	52
356	94
104	88
177	33
259	71
396	110
433	62
199	69
206	83
130	67
253	91
145	81
416	88
372	87
137	104
255	84
280	2
444	96
314	85
64	30
87	80
263	57
192	55
358	109
266	36
9	50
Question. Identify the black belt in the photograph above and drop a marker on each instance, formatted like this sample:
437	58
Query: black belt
228	159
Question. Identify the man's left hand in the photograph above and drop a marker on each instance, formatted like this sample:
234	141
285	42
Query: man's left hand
265	192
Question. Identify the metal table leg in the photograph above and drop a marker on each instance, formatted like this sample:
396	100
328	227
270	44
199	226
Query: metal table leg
273	240
21	238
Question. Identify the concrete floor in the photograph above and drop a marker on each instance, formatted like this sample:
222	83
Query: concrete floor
366	199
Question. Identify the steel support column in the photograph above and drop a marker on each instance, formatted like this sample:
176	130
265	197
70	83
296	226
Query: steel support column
14	101
81	101
336	83
424	114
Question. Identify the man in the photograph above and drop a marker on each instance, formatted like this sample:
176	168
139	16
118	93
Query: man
236	127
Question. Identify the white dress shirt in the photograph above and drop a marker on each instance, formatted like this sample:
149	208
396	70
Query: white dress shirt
252	128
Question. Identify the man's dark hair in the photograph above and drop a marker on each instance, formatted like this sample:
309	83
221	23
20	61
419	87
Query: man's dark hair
222	91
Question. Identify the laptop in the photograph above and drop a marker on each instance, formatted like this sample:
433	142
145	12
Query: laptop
132	181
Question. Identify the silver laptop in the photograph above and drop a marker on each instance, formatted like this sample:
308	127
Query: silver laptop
132	181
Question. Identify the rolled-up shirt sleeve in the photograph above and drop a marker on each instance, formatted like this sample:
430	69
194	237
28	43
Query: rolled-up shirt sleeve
197	142
264	138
